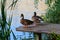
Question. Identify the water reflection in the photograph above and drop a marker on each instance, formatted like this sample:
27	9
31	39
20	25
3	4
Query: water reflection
27	8
16	23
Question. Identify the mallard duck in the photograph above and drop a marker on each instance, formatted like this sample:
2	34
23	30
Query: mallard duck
36	18
25	22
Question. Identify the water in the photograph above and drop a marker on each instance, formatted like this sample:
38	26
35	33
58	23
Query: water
16	23
27	8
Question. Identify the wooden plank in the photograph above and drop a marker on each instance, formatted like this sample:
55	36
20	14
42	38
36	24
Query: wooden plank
45	28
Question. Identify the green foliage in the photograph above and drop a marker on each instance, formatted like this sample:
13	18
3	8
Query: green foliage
49	2
54	36
36	3
4	24
44	18
13	4
53	11
14	35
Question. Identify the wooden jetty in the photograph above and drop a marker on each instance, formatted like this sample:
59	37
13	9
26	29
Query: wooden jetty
42	28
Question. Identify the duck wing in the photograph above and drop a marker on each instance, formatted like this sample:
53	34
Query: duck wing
29	22
26	22
39	18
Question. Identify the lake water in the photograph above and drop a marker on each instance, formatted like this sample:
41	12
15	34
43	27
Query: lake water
27	8
16	23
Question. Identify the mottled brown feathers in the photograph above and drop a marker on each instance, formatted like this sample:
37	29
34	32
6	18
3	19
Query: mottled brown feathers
25	21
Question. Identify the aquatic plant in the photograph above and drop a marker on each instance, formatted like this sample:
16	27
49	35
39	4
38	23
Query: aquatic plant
4	24
54	36
53	11
36	3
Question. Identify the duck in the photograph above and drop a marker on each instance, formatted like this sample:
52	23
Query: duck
37	19
25	22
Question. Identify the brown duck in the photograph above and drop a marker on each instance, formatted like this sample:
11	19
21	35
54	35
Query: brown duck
25	22
36	18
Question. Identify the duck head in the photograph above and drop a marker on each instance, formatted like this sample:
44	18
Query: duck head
34	13
22	16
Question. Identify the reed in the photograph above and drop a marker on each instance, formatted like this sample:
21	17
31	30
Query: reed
4	24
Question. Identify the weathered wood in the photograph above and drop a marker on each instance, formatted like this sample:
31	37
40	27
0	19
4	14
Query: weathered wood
45	28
